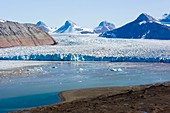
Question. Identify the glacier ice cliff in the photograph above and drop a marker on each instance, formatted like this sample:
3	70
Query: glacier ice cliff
93	49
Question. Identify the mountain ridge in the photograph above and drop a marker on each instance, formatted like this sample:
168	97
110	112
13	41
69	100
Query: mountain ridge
16	34
103	27
44	26
165	19
145	26
71	27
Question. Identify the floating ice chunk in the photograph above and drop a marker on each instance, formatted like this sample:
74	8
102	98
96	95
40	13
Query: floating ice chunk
61	83
113	69
37	69
119	69
81	69
116	70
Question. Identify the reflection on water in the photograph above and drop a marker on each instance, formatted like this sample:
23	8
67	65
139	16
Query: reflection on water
59	76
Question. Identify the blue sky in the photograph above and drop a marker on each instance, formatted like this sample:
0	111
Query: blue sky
86	13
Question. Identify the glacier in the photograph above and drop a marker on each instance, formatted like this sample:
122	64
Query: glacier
93	49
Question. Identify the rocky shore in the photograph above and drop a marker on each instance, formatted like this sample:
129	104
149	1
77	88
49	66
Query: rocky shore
152	98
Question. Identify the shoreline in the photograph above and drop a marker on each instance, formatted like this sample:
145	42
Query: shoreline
80	96
72	95
82	99
14	68
14	64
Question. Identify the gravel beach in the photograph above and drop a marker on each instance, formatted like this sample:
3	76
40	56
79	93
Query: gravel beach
152	98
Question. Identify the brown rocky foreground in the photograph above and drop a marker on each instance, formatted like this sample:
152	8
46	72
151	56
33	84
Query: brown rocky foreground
16	34
154	98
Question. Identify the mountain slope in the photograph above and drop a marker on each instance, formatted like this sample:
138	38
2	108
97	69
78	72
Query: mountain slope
144	26
71	27
165	19
103	27
44	26
16	34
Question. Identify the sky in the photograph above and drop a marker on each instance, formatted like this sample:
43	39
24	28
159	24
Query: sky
85	13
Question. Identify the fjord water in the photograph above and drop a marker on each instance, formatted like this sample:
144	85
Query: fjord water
43	88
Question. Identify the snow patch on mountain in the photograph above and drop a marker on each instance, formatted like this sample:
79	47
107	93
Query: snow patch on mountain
142	22
2	20
144	36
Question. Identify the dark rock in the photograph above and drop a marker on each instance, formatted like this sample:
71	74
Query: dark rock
144	26
16	34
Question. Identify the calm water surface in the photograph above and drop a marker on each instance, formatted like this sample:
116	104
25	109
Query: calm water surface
42	89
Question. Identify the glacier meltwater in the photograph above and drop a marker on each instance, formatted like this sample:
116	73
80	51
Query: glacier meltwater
42	88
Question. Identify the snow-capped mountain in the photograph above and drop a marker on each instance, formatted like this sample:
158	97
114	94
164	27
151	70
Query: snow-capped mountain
103	27
165	19
71	27
145	26
45	27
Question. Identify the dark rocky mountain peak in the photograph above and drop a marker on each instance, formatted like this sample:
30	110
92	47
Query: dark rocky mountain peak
145	27
145	17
